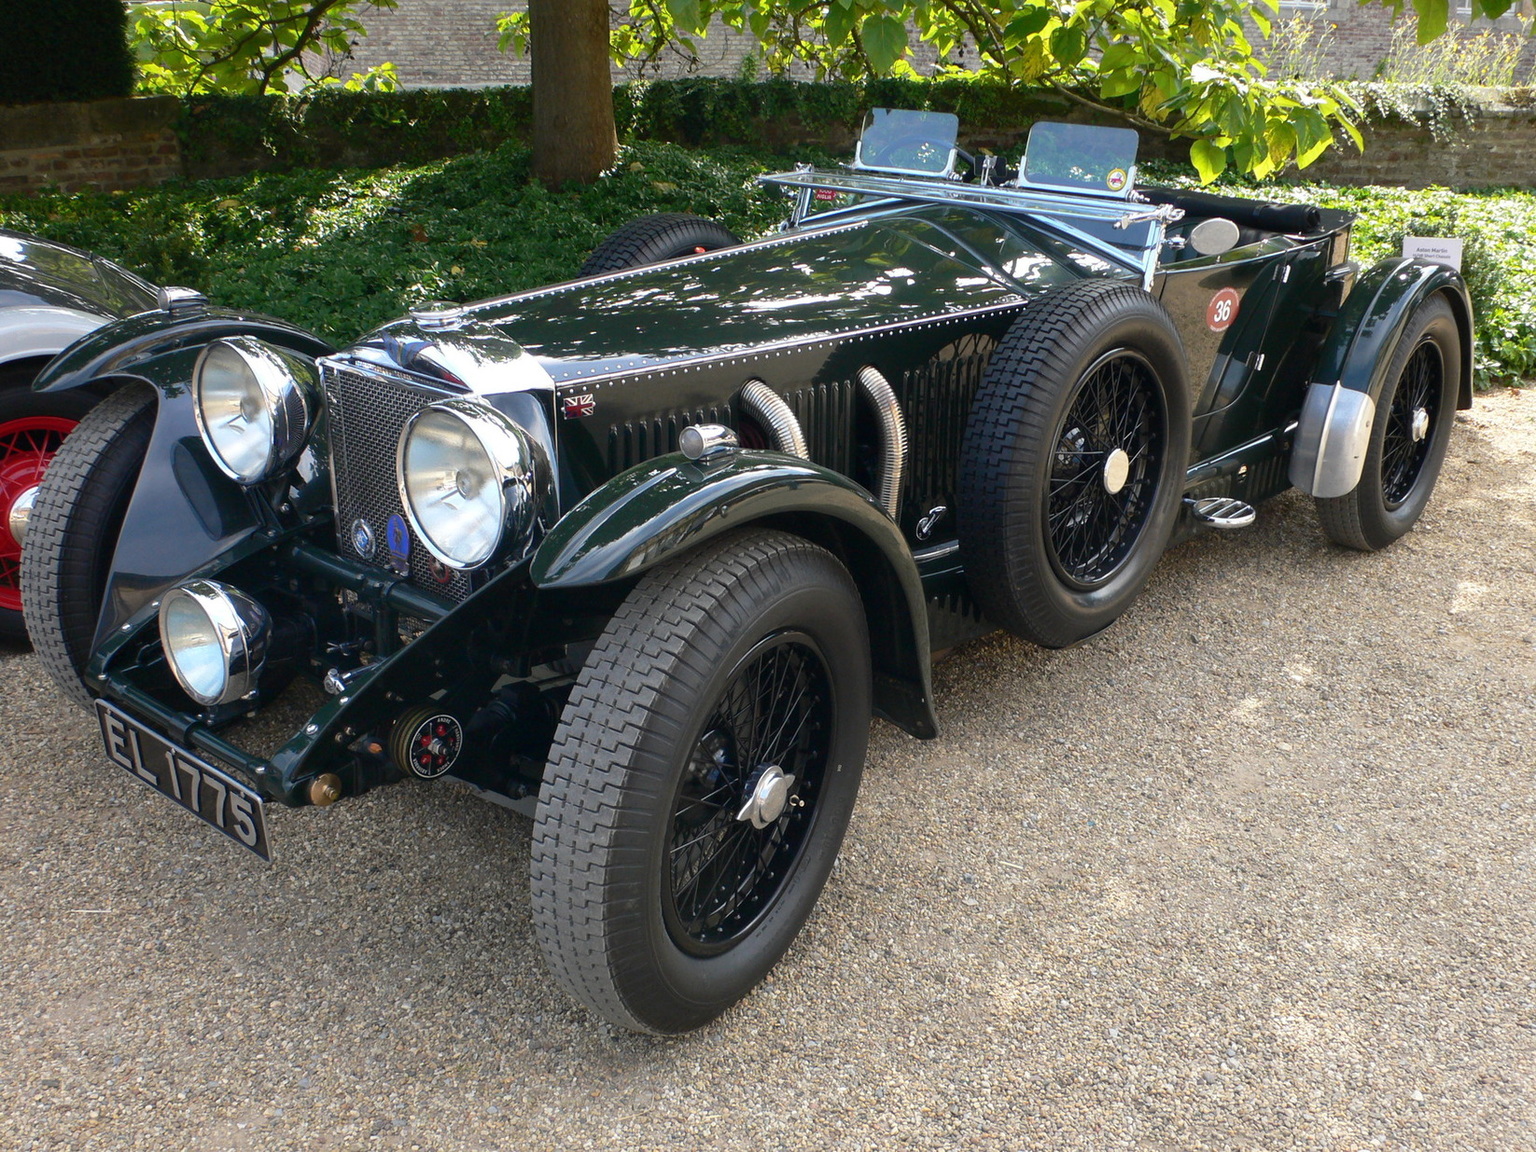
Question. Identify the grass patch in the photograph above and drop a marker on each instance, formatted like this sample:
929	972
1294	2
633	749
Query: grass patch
343	251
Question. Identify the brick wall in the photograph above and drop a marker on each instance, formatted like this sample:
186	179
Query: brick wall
1491	149
1350	40
100	144
452	43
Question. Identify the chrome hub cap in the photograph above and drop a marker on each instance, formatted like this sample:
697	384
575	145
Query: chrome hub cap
1117	470
1420	424
768	797
20	511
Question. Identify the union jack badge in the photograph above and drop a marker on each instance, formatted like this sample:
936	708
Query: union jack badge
576	407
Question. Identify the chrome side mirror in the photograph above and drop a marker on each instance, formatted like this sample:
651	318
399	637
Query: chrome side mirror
1214	236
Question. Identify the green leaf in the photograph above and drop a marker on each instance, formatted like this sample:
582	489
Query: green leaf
1031	23
885	41
1432	18
1282	142
687	15
1305	156
1119	84
1068	44
838	25
1119	56
1354	133
1208	159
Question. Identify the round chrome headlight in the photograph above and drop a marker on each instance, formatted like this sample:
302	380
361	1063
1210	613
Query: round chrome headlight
215	639
470	480
255	404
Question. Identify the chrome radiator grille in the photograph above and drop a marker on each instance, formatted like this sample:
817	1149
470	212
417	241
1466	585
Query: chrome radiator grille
364	415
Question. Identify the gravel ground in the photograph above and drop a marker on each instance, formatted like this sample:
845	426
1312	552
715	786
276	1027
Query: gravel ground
1251	871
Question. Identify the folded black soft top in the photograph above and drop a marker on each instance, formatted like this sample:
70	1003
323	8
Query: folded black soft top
1262	214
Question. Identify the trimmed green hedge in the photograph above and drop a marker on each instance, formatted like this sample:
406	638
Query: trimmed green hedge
229	135
232	135
226	135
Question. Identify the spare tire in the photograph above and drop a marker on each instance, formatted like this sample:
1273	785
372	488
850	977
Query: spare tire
652	239
1073	461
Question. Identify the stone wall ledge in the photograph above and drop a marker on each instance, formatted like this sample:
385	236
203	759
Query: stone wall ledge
66	125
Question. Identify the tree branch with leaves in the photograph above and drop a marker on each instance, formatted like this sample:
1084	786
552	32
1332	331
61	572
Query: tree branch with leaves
241	47
1183	68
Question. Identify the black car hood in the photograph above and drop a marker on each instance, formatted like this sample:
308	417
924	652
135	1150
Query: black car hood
902	267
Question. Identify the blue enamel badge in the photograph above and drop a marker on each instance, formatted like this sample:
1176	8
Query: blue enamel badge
397	538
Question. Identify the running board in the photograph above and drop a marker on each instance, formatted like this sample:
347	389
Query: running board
1221	512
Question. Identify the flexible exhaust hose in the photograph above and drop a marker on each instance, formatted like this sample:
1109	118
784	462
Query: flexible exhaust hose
776	417
893	428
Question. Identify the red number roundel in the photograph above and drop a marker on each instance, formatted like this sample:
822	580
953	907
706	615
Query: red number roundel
1222	310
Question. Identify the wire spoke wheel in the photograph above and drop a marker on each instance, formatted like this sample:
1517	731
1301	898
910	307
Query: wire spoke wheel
702	777
1409	438
1414	411
1107	459
1073	461
27	444
763	753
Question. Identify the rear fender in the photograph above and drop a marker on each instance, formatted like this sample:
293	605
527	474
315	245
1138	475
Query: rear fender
185	516
1334	430
667	507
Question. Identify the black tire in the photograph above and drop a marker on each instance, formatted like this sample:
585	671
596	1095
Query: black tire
652	239
73	532
1052	552
644	768
33	425
1400	469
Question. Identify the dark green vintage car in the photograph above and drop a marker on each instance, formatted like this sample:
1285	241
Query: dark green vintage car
640	554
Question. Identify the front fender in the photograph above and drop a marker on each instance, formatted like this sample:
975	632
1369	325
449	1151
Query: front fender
667	507
185	516
132	346
1334	430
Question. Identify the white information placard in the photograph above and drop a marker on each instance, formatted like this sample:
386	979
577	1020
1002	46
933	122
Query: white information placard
1439	249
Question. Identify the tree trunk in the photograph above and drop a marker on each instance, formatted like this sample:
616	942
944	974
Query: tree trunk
573	131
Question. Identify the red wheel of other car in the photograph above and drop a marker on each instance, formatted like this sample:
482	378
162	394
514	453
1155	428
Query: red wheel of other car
32	427
27	444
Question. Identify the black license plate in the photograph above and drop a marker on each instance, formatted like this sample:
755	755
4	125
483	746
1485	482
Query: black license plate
199	787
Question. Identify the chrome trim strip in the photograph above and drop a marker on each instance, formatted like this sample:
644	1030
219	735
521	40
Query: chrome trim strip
937	552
